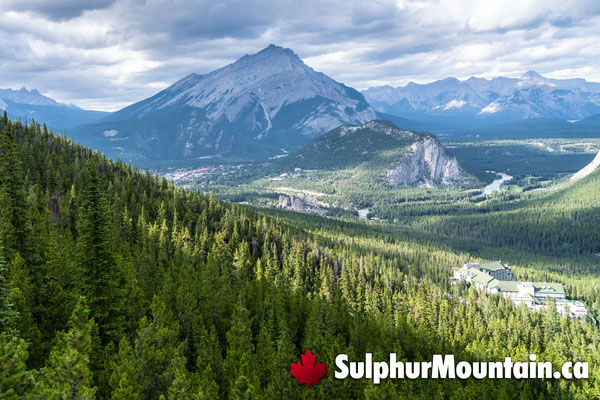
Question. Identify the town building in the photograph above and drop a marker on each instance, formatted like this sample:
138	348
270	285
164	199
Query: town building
497	278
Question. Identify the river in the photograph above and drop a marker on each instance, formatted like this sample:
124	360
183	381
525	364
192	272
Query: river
363	214
495	186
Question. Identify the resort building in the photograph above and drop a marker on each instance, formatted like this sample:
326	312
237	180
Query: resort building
496	278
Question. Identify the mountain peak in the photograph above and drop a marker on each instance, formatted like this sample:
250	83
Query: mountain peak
273	50
254	106
532	76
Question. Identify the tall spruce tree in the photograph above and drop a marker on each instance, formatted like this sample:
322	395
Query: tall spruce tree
8	313
15	228
98	274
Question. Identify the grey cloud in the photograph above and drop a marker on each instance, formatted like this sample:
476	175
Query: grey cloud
186	21
109	53
57	10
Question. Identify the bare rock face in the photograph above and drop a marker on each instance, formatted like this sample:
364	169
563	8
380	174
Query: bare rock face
427	163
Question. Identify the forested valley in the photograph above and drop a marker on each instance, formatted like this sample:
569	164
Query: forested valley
115	284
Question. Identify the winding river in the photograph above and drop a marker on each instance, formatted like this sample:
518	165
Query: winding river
495	185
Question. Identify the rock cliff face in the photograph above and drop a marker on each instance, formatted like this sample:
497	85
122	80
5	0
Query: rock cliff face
427	163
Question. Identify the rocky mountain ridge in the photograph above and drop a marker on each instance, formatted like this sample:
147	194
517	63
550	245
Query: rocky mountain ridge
530	96
27	104
381	149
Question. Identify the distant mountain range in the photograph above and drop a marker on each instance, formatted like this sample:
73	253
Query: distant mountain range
27	104
252	108
453	105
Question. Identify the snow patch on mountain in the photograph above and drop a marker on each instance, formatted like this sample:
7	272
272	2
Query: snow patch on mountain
454	104
491	108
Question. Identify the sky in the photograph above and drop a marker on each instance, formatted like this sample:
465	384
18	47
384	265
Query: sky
107	54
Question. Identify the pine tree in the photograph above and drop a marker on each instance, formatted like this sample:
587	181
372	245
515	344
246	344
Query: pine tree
155	349
210	361
123	379
14	378
264	359
23	298
208	388
13	198
68	374
243	262
242	380
99	274
8	313
180	388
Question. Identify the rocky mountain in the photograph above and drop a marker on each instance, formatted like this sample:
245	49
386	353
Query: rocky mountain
500	99
251	108
27	104
381	150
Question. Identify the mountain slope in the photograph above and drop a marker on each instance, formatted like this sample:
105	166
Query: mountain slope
27	104
268	101
380	148
588	169
199	282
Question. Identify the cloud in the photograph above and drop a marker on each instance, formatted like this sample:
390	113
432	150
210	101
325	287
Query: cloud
106	54
58	10
110	133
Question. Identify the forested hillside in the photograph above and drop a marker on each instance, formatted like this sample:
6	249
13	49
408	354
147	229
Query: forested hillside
115	284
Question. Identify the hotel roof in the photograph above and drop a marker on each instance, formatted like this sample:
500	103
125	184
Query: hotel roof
492	266
488	281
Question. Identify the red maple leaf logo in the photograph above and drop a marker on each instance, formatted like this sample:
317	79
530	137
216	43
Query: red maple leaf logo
310	371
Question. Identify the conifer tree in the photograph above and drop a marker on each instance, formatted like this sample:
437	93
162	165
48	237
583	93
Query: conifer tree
208	388
265	355
181	388
8	313
123	379
99	274
155	348
210	361
14	377
239	354
13	198
68	374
